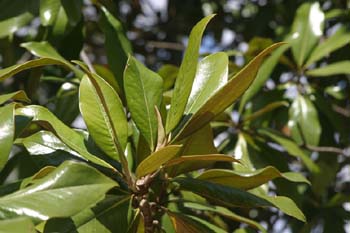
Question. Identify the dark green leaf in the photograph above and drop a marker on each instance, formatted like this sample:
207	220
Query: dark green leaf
186	75
143	90
117	45
268	108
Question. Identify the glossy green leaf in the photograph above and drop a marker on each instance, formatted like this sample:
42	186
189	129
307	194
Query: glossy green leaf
117	45
248	180
12	70
268	108
49	11
304	121
44	142
225	213
286	205
291	147
45	50
143	91
153	162
107	75
337	68
263	75
184	223
334	42
17	95
67	135
225	96
7	131
59	194
220	194
108	216
24	225
186	75
212	73
106	121
307	28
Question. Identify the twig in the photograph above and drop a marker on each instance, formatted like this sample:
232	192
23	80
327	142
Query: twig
166	45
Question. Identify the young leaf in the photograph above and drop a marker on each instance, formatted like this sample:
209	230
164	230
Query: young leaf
59	194
18	95
104	115
143	90
224	97
117	45
248	180
7	130
336	41
304	121
67	135
337	68
211	74
157	159
307	28
186	75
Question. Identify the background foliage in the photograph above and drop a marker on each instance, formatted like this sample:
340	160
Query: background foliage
294	117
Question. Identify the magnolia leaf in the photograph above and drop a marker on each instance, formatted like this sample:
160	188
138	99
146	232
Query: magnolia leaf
18	95
337	68
7	131
186	75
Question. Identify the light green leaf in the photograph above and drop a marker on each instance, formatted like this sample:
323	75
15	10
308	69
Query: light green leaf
7	131
49	11
291	147
12	70
337	68
21	224
304	122
17	95
286	205
143	91
263	75
117	44
307	28
186	75
44	142
340	38
248	180
59	194
168	73
153	162
225	96
199	158
211	74
106	121
45	50
67	135
225	213
108	216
